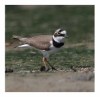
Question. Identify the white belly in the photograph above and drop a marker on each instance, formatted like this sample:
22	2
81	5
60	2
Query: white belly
49	52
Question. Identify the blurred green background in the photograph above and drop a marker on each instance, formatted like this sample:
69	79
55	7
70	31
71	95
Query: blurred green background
29	20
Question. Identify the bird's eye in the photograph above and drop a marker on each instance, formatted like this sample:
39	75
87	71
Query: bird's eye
58	33
60	30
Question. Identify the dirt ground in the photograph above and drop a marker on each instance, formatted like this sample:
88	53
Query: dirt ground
50	82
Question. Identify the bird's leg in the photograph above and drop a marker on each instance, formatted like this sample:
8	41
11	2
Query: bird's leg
53	68
45	67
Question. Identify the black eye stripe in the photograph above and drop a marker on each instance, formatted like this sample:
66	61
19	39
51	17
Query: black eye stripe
61	35
60	30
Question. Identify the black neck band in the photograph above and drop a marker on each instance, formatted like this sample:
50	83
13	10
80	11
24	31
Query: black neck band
56	44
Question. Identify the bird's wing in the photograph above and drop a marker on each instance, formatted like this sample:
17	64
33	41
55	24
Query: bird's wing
40	42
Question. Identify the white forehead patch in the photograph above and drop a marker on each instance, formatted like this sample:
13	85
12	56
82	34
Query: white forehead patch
63	32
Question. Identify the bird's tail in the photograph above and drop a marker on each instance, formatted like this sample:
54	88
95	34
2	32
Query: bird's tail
22	39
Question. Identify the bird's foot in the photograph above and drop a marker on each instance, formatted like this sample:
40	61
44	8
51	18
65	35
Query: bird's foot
43	68
53	68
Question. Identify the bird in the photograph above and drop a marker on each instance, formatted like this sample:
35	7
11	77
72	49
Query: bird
46	44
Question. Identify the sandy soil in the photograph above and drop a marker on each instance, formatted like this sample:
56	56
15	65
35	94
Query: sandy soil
50	82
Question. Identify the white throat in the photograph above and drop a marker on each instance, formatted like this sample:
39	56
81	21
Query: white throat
58	39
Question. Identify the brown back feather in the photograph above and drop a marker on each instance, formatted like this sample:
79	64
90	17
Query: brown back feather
40	42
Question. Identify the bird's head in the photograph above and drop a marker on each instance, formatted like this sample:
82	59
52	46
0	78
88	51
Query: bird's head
59	35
